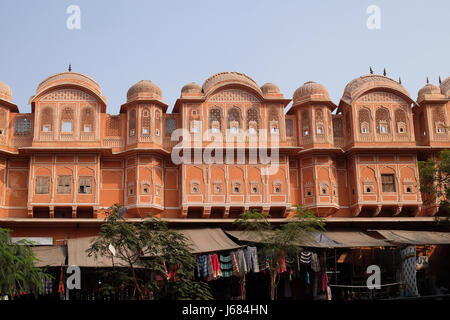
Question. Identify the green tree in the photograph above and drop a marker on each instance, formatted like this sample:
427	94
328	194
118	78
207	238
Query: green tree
148	246
18	271
284	240
435	180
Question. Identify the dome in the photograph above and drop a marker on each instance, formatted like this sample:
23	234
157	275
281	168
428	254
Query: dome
445	87
429	89
5	92
358	86
270	88
144	90
69	78
191	89
228	77
310	91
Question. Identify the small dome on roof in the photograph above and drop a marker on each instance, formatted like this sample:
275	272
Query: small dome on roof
308	90
270	88
5	92
429	89
191	89
144	90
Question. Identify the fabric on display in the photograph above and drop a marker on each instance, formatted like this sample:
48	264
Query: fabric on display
409	278
251	257
305	257
235	264
226	265
315	263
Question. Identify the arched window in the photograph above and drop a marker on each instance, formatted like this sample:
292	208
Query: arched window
438	117
47	120
195	120
364	120
215	120
320	127
157	123
274	120
145	122
401	121
87	120
305	123
67	120
132	123
383	120
253	120
234	119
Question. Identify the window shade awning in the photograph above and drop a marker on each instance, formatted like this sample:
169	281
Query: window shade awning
50	256
328	239
78	256
204	240
415	237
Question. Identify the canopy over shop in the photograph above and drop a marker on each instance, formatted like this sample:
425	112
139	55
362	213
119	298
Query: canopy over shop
341	255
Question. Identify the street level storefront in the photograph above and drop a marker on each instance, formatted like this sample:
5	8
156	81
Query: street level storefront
332	266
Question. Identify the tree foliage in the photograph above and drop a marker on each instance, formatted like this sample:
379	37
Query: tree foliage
144	247
18	271
284	240
435	180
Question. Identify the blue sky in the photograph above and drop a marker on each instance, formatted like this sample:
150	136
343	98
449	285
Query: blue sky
176	42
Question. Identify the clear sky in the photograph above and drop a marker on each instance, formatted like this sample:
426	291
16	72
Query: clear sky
173	43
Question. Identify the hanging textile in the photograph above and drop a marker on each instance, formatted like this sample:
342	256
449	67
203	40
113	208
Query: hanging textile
315	263
202	266
210	268
409	279
48	286
282	264
315	285
216	266
241	261
324	282
234	262
251	258
305	257
226	265
61	284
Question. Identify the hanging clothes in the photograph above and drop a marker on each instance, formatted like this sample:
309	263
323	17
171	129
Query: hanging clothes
240	255
61	285
305	257
210	268
234	262
281	264
226	265
216	266
48	286
251	258
202	266
324	282
315	263
409	277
